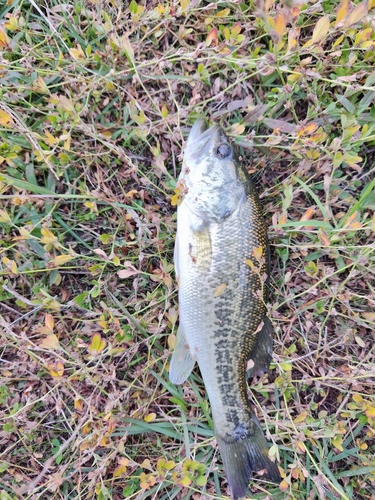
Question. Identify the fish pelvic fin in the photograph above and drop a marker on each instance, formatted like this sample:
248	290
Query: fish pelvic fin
261	354
182	362
244	455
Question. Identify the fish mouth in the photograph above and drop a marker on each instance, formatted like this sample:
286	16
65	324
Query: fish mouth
200	137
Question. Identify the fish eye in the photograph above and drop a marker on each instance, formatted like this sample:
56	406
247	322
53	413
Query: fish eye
223	150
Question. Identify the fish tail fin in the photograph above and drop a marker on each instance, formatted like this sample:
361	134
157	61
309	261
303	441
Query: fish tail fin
243	456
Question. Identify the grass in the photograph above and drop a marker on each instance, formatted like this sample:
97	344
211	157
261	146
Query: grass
96	100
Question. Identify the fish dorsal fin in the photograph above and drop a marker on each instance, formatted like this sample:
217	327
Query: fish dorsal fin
182	361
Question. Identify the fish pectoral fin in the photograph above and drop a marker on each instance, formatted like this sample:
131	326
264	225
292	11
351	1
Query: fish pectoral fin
182	362
261	354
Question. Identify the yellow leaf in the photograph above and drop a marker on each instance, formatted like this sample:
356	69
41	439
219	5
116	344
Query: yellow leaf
39	85
91	205
237	128
49	322
97	344
4	40
320	31
4	217
212	37
323	237
283	219
56	369
363	35
147	481
223	13
10	264
184	4
286	367
61	260
50	140
257	252
120	470
130	194
66	104
308	214
338	41
150	417
48	236
370	412
11	24
301	417
300	447
292	38
78	53
342	10
164	112
307	129
5	119
78	404
171	340
283	485
176	200
104	441
357	14
220	290
280	23
250	263
337	443
50	342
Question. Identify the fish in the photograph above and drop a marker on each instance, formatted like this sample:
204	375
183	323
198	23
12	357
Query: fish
221	259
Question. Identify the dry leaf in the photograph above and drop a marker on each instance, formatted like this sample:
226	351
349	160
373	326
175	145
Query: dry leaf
342	11
4	40
150	417
308	214
97	344
280	23
61	260
56	369
212	37
126	273
50	342
357	14
320	31
5	118
78	53
220	290
257	252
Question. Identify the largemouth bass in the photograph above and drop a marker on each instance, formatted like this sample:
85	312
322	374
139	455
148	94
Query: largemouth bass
221	261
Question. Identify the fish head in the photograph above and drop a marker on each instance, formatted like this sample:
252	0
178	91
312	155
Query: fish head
213	177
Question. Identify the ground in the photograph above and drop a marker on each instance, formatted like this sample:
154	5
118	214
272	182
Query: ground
96	99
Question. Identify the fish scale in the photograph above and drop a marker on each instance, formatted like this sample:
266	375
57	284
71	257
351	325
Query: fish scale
222	295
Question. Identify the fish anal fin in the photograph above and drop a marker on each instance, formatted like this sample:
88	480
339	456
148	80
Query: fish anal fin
182	362
260	356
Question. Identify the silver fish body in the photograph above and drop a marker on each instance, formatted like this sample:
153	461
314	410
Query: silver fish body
221	261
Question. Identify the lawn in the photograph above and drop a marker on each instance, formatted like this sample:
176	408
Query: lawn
96	100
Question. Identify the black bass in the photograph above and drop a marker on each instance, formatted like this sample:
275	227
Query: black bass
221	261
